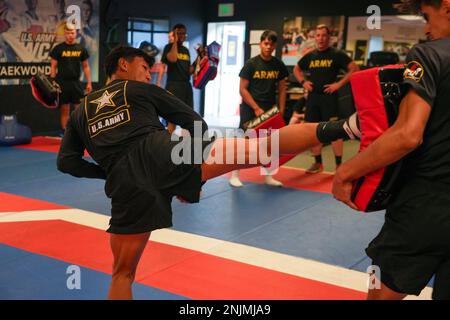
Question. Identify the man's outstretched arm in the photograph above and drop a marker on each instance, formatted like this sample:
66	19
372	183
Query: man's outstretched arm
399	140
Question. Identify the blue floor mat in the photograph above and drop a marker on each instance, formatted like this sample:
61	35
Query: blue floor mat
295	222
31	276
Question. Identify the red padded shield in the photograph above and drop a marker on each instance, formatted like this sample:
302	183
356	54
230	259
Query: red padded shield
206	69
207	72
275	122
377	95
45	92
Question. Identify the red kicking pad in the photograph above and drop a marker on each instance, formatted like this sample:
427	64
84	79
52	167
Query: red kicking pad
377	93
271	119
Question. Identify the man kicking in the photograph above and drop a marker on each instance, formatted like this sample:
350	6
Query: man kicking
119	127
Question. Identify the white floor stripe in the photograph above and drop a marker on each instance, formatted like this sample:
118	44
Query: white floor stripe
238	252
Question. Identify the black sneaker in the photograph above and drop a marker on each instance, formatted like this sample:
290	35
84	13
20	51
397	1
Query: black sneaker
315	168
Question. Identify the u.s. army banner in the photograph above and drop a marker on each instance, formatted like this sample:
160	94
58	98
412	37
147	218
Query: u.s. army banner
29	29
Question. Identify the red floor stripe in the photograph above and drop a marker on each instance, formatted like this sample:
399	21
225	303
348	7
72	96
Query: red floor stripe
293	178
43	144
47	144
174	269
13	203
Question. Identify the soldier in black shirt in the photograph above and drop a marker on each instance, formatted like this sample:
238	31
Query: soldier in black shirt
260	78
323	66
119	127
179	68
66	60
414	243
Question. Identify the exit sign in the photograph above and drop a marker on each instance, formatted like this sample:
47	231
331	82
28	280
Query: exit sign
226	9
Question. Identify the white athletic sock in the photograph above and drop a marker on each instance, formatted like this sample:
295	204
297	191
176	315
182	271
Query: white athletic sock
271	181
234	180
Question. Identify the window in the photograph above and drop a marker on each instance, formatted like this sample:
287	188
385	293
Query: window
154	31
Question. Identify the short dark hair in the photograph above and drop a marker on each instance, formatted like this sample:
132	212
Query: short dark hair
128	53
269	35
178	26
323	26
413	6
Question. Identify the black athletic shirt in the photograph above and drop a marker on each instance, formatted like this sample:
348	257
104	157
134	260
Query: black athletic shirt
180	70
428	73
69	57
323	67
263	76
112	120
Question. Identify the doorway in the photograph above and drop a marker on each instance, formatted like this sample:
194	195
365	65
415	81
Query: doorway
222	98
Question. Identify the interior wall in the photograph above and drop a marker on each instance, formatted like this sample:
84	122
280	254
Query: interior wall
18	99
261	14
407	33
269	14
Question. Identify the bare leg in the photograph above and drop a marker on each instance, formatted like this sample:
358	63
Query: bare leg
316	151
384	293
293	139
127	250
338	147
65	112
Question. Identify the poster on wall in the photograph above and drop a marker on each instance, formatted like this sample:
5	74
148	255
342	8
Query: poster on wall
232	50
398	34
299	33
29	29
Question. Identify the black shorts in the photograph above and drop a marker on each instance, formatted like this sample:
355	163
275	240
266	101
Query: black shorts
182	90
142	183
322	107
414	243
71	92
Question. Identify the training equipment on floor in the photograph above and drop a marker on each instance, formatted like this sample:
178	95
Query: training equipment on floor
13	133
